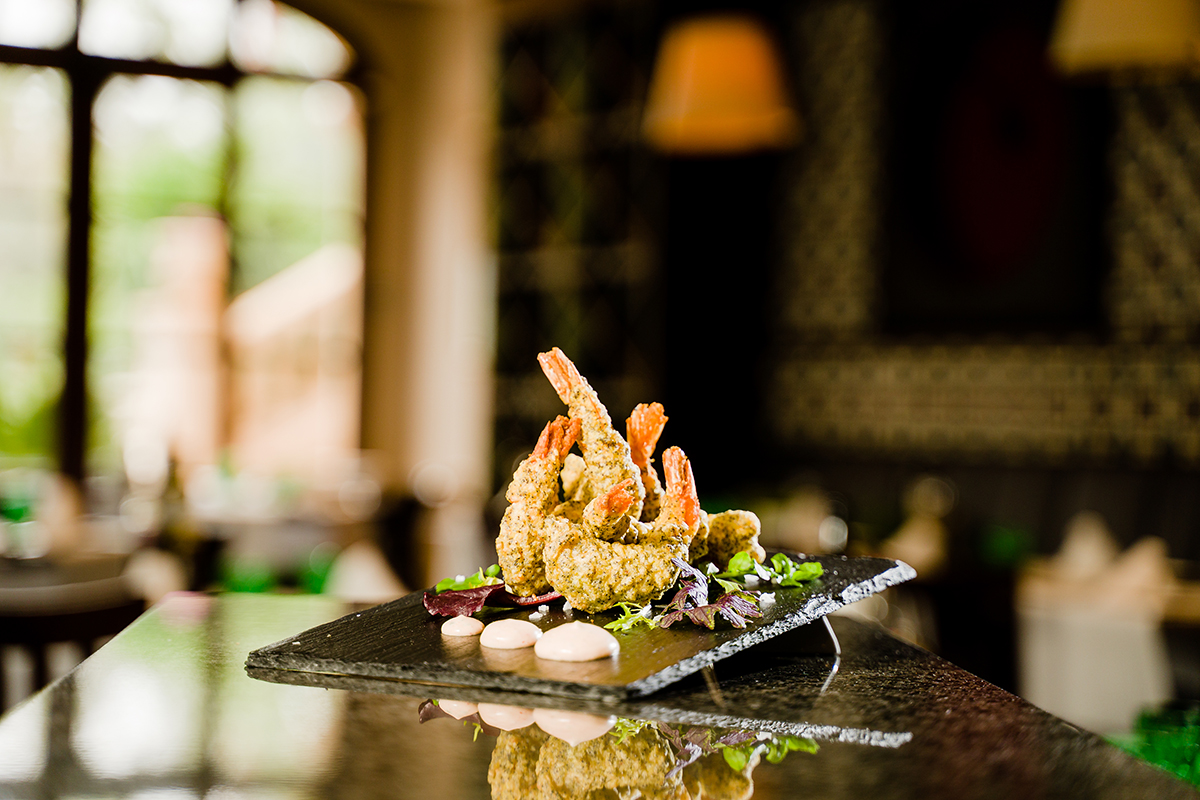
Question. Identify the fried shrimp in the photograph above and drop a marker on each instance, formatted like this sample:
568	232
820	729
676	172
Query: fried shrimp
642	429
595	573
606	453
607	517
532	495
681	503
731	532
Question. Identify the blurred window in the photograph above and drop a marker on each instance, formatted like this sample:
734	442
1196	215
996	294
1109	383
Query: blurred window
158	159
34	140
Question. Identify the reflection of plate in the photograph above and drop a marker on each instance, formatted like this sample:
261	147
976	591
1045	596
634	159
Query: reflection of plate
772	688
401	641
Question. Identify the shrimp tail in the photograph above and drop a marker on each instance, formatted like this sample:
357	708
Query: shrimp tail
560	371
642	429
557	438
617	500
681	497
606	517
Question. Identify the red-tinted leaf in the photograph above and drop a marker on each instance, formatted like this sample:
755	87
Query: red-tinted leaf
705	615
463	602
693	580
460	602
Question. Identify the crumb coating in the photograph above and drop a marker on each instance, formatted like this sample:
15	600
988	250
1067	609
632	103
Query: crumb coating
731	532
512	773
637	767
594	575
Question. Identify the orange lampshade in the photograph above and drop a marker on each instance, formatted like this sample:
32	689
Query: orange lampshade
718	88
1093	36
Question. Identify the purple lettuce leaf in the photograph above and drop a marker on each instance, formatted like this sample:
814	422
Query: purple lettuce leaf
736	607
695	581
703	615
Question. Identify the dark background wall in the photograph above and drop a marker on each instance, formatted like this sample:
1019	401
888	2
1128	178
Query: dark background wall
968	266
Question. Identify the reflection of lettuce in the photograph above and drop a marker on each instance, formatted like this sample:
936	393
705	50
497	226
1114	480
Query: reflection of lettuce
773	750
624	728
739	748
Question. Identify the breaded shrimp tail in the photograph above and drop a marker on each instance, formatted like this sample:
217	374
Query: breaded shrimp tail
607	517
643	429
604	450
557	438
560	371
681	501
533	494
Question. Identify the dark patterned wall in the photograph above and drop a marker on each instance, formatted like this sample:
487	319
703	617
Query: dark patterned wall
576	196
579	223
1128	395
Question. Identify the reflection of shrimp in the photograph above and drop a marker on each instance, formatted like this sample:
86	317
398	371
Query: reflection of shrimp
607	454
532	495
593	573
643	428
637	766
713	778
512	773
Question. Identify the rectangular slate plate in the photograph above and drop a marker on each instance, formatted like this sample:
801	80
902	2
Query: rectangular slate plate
777	686
400	640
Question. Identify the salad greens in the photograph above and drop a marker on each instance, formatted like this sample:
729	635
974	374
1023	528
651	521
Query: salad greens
483	577
632	615
780	570
732	597
736	605
735	601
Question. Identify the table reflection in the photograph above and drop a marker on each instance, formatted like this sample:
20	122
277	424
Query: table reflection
167	710
554	753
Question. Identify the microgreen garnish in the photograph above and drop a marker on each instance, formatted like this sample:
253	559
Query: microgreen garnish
483	577
780	570
625	728
632	615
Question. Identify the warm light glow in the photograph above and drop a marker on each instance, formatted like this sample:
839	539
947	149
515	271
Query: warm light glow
1108	35
718	88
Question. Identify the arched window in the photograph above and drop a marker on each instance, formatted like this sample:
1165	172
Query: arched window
181	204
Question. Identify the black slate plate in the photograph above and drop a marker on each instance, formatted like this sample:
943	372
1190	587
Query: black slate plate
776	687
401	641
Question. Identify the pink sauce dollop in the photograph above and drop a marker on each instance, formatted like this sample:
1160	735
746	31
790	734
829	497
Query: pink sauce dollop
510	634
576	641
462	626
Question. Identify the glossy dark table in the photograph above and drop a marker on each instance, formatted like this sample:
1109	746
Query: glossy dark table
167	710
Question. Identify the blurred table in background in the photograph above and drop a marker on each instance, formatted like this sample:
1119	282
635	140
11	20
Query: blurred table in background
47	602
167	706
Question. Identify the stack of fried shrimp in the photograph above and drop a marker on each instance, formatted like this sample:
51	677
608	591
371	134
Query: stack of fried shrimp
600	527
